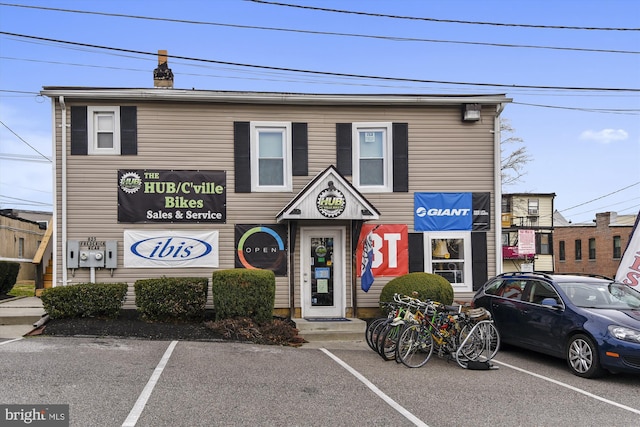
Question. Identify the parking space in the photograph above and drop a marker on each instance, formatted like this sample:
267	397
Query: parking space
108	381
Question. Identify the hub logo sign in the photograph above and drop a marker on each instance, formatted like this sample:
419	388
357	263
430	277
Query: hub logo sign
170	248
442	211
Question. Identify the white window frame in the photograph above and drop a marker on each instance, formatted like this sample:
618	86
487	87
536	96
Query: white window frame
92	130
387	154
285	129
467	271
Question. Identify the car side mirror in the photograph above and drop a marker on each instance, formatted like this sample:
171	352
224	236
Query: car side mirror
551	303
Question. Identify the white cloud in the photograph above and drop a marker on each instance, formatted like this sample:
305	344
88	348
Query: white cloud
604	136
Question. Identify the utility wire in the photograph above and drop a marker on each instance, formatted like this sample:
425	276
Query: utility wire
21	139
601	197
326	73
326	33
452	21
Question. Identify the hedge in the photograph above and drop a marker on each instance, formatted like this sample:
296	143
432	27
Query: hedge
84	300
171	297
244	293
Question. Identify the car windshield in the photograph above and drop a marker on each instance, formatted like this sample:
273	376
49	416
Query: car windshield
602	295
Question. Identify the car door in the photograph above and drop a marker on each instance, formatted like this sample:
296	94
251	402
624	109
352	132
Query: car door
506	307
541	325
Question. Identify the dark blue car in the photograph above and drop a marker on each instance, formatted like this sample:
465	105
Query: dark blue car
592	322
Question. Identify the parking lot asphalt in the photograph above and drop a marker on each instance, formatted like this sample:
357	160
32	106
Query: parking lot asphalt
113	382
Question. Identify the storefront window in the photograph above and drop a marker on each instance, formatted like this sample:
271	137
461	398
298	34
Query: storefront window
449	255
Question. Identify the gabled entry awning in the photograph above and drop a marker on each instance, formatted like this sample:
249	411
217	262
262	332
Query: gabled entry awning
329	196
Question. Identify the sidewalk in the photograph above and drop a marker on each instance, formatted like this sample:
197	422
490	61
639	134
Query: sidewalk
18	315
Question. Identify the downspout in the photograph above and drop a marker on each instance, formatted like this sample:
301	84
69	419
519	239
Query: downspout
498	187
63	194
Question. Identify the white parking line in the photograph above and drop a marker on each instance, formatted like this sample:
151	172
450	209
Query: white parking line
570	387
10	341
137	409
408	415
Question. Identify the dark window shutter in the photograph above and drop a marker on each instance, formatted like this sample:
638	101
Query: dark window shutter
79	136
300	148
400	157
479	256
128	131
343	148
416	252
242	156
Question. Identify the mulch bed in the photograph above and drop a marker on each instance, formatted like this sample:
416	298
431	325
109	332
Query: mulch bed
130	324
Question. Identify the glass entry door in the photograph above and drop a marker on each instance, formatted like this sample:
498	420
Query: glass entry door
323	289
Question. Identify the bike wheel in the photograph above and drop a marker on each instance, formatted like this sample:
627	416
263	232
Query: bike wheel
370	333
415	346
388	340
480	342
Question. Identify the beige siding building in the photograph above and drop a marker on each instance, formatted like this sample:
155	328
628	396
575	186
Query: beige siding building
524	213
167	182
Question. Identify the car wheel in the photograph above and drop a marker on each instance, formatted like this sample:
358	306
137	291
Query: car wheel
582	357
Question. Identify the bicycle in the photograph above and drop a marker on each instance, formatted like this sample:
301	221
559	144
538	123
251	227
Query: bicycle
464	335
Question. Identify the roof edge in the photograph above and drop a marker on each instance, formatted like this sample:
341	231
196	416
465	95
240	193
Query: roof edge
268	97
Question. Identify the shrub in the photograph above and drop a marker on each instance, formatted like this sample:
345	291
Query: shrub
171	297
244	293
84	300
8	276
425	285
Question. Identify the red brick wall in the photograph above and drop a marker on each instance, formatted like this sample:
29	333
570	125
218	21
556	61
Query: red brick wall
604	262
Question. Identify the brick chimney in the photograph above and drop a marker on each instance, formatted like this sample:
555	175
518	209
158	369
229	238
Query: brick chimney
162	76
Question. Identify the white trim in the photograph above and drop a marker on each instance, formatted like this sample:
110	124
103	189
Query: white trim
285	129
387	156
92	131
276	98
467	272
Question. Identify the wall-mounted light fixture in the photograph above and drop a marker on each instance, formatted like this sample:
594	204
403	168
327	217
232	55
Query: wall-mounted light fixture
295	211
470	112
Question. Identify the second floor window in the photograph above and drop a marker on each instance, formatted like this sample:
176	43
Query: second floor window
592	248
103	126
561	249
534	205
617	247
271	156
372	152
578	250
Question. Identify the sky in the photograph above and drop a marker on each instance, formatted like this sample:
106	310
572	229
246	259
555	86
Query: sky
572	68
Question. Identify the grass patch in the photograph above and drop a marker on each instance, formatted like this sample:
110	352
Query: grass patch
23	289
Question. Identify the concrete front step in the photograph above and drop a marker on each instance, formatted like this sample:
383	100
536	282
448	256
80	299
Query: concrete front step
21	311
327	330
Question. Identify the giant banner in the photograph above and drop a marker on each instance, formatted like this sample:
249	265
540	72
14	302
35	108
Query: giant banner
452	211
170	248
179	196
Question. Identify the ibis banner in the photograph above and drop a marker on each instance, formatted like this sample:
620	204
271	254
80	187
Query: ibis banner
178	196
170	248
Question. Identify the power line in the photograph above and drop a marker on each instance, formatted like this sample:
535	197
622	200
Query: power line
601	197
326	73
627	111
21	139
326	33
452	21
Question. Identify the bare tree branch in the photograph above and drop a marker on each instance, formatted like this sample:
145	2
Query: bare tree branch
513	159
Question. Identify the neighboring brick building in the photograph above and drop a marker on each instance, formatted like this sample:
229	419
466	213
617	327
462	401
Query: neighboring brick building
593	248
